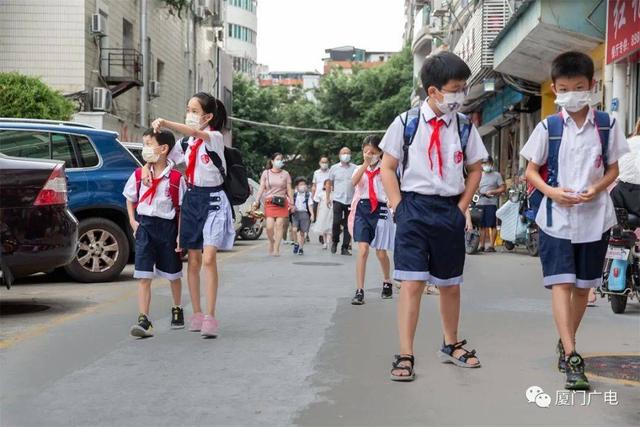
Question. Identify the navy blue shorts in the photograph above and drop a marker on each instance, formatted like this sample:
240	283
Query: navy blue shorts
365	221
156	254
577	263
196	205
488	216
429	242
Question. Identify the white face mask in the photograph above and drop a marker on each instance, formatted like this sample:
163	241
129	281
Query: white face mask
451	102
574	101
149	154
278	164
302	189
487	168
324	166
193	121
375	159
345	158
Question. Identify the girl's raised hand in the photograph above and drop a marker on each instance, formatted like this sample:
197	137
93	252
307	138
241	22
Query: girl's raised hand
157	124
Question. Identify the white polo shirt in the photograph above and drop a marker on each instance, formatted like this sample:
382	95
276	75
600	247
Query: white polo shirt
161	206
341	175
206	173
319	177
362	188
580	166
418	176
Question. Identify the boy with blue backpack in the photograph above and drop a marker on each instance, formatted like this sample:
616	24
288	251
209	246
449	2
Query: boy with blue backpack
573	158
429	148
302	216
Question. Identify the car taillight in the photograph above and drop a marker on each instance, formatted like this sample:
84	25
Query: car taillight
54	191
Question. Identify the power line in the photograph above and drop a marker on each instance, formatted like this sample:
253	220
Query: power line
271	125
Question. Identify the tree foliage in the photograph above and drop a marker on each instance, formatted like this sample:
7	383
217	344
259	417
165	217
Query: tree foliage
368	99
30	98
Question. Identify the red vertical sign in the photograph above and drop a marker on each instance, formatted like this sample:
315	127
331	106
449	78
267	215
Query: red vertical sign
623	28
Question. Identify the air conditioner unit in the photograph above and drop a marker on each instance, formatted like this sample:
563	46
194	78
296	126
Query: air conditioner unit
101	99
154	88
98	24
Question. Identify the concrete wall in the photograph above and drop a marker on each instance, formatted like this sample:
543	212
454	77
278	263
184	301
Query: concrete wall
44	38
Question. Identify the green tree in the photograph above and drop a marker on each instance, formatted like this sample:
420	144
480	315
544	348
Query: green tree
28	97
368	99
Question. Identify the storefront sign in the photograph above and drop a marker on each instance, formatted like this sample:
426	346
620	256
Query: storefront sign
623	29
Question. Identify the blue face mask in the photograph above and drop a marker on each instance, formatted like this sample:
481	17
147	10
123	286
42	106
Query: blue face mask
278	164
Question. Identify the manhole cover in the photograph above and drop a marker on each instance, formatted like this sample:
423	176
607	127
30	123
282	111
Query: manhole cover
9	308
620	367
318	264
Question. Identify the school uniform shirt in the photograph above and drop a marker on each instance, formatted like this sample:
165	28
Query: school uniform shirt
579	167
300	207
161	206
319	177
206	173
341	175
362	187
419	177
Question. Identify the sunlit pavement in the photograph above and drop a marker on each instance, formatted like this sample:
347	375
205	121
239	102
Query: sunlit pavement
293	350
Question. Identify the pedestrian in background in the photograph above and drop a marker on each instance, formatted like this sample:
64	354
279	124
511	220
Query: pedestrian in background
275	186
342	196
576	213
317	188
302	216
324	220
373	225
429	205
206	217
491	187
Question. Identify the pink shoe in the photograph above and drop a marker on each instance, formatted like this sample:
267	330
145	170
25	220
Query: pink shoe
195	323
209	327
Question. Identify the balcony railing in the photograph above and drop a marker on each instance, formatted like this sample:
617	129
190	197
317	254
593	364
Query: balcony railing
121	67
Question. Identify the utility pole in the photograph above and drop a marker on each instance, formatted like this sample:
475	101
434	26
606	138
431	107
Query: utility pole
145	64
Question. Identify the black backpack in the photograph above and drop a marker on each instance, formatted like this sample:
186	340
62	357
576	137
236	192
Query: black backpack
236	180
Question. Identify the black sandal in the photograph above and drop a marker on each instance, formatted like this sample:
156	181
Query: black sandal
409	369
446	355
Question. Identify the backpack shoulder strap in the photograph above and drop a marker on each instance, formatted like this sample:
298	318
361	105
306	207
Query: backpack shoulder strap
138	176
604	123
184	143
555	128
464	131
217	161
410	121
174	187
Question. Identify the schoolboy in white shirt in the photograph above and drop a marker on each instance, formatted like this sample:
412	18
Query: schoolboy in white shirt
573	158
153	214
429	204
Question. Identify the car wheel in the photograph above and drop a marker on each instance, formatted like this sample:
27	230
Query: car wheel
103	251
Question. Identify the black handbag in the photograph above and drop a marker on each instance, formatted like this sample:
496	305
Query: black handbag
278	201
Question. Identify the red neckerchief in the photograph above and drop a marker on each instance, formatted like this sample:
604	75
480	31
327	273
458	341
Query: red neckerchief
436	124
151	192
193	158
373	198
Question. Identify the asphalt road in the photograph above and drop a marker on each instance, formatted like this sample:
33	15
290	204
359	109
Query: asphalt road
292	350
